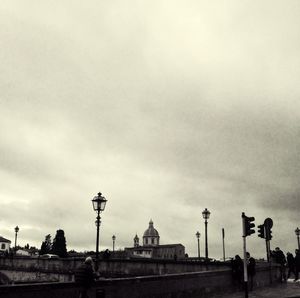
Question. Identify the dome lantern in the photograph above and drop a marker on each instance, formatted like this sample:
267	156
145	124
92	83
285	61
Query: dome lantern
151	236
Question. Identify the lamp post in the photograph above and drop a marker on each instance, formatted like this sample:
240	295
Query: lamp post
198	240
113	239
223	242
16	236
99	203
206	215
297	232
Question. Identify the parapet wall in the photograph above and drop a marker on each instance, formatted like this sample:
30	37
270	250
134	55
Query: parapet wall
107	268
196	284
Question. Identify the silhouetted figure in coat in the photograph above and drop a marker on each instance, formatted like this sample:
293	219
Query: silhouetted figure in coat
297	264
106	255
280	259
237	270
290	264
251	264
85	276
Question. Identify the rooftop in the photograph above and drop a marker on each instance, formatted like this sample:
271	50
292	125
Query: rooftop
2	239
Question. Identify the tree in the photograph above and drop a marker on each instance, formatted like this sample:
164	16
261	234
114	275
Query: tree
46	245
59	246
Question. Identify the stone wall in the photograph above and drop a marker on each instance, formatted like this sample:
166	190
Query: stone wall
196	284
110	268
20	276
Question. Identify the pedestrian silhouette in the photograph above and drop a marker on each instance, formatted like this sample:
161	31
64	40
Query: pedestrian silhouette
290	264
297	263
85	276
106	254
251	264
281	260
237	271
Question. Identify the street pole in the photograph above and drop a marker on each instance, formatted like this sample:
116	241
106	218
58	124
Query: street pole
297	231
223	238
97	239
206	246
198	240
99	203
198	248
206	215
16	236
269	260
245	268
113	239
268	257
267	244
245	257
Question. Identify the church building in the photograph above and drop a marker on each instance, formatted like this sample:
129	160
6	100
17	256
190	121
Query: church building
151	247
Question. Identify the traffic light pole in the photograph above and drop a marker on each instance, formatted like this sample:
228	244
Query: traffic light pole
248	225
245	256
267	244
268	249
268	224
269	259
245	267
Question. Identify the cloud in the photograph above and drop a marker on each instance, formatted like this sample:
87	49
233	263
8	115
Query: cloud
166	110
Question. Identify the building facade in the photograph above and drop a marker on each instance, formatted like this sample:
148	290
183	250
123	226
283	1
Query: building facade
151	247
4	245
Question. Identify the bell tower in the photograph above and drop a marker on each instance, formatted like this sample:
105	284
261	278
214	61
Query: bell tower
136	241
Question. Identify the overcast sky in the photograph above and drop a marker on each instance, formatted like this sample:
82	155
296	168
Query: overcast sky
166	107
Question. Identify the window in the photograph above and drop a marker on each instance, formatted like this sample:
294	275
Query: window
2	246
146	240
152	240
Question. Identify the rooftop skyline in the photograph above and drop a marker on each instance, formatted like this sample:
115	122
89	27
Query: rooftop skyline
165	107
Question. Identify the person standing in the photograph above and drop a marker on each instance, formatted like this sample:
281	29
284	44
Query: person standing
280	259
85	276
237	271
251	269
290	264
297	264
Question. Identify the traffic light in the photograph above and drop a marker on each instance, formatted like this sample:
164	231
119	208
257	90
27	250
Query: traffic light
268	225
248	225
261	231
268	233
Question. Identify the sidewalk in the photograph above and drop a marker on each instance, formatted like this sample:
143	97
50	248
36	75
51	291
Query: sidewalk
285	290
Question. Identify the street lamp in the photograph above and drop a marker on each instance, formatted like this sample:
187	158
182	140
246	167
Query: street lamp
297	232
16	235
206	215
113	239
99	203
198	239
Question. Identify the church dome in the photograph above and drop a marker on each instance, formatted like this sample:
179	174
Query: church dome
151	231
